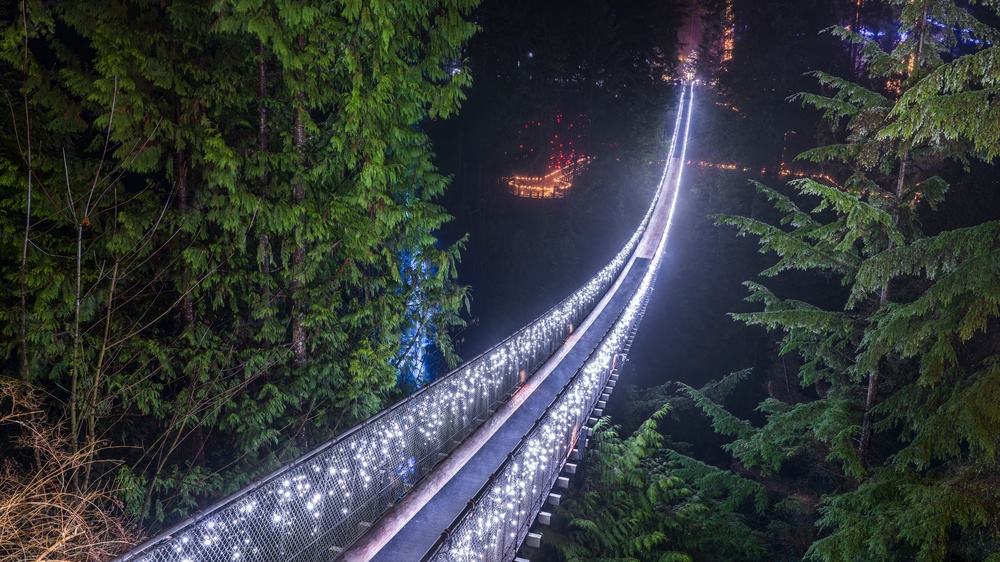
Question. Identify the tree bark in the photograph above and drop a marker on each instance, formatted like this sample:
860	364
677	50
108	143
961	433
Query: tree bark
98	371
24	363
263	241
76	361
298	255
181	168
871	396
855	51
75	377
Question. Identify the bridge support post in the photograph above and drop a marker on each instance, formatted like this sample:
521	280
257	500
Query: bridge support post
534	540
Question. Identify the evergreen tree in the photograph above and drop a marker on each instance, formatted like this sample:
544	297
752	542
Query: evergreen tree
902	379
219	219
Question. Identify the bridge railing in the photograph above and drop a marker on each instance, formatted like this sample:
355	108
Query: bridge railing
323	501
495	523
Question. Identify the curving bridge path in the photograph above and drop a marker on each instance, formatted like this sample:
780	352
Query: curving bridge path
460	470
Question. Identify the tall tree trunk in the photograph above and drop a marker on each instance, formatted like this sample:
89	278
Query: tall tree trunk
263	241
98	372
883	299
76	359
181	169
261	97
871	396
24	362
859	6
298	255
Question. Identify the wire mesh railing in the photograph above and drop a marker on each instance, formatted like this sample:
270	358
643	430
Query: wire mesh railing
323	501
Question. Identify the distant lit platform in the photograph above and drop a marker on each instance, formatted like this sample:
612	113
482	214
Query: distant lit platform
553	185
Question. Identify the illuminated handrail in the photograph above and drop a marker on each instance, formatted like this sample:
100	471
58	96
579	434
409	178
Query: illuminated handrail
495	523
324	500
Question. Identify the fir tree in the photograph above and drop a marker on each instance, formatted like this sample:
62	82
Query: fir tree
903	377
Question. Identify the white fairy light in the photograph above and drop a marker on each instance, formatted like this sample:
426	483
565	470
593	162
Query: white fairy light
508	506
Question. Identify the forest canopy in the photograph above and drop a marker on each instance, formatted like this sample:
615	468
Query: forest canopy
218	229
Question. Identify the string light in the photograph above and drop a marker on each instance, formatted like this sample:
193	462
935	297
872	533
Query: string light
731	166
728	32
563	160
783	170
495	525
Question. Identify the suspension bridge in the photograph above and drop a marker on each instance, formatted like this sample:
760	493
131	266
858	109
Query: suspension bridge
461	470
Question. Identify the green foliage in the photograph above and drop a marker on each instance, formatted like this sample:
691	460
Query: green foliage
219	222
723	422
790	430
898	402
642	502
730	490
914	513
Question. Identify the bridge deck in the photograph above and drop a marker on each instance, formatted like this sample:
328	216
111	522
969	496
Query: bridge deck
419	534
